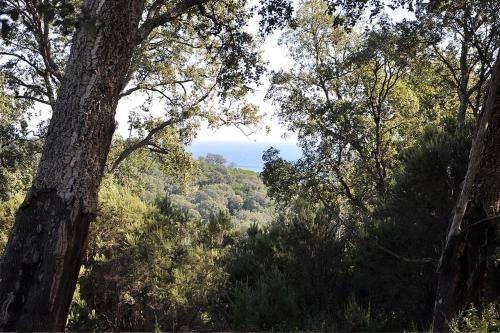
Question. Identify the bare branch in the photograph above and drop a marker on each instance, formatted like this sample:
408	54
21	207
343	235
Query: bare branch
32	98
23	59
406	259
447	64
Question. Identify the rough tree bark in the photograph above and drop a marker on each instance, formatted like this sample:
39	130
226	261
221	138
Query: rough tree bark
40	265
471	237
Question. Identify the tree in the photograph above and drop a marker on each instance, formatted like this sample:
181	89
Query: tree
395	270
186	68
463	266
293	273
471	236
470	30
42	258
150	265
351	99
41	262
153	258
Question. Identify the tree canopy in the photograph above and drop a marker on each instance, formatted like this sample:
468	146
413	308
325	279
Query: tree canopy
388	221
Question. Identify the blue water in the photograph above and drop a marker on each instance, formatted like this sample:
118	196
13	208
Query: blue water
244	155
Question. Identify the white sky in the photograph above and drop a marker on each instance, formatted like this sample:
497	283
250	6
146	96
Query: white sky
277	58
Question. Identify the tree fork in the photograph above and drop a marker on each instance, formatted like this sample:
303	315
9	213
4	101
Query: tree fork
463	263
40	265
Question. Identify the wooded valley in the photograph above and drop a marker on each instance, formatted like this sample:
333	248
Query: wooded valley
389	220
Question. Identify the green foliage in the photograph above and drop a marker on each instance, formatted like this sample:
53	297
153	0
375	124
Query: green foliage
18	147
269	304
220	188
280	176
121	212
149	264
296	271
353	236
81	317
153	263
144	169
359	319
353	100
7	211
18	160
180	261
471	320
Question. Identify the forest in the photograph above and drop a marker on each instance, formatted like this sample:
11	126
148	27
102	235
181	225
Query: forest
389	220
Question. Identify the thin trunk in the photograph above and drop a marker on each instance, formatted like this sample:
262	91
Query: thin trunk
471	236
463	104
40	265
463	84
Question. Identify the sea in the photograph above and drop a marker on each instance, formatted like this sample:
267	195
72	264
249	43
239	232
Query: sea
244	155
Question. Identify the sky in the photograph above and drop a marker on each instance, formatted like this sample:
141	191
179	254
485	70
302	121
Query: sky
277	58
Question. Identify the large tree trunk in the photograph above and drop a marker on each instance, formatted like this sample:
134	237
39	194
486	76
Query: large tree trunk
471	236
40	265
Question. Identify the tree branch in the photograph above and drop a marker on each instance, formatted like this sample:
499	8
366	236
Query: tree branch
155	19
406	259
142	143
